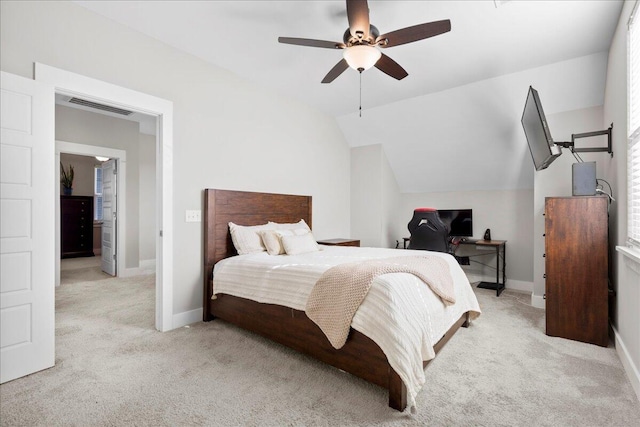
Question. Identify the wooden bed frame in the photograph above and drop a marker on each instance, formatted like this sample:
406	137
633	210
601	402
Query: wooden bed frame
360	356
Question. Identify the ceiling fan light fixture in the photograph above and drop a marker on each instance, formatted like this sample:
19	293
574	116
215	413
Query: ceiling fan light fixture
101	158
361	57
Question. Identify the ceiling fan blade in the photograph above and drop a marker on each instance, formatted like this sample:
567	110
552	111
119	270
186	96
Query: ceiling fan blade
415	33
391	67
358	15
336	71
311	42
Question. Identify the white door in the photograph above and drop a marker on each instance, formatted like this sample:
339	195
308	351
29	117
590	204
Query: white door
27	227
109	208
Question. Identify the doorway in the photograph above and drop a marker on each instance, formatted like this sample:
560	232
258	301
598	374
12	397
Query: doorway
71	84
83	156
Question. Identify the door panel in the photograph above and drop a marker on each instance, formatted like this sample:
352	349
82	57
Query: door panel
27	227
109	215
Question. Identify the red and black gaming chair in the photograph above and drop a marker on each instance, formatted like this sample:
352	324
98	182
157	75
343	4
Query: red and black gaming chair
428	232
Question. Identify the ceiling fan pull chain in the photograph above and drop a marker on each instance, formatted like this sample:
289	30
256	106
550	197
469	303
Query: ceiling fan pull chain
360	94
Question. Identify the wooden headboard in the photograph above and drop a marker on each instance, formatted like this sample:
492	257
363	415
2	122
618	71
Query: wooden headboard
242	208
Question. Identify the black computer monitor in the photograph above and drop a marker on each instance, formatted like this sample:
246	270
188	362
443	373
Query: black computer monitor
459	221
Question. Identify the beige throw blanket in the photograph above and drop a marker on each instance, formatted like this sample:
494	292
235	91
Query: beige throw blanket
338	293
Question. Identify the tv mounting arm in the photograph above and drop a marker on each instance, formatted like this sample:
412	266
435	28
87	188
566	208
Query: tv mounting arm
571	145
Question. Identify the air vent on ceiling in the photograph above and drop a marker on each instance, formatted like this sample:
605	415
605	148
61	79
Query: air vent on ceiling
102	107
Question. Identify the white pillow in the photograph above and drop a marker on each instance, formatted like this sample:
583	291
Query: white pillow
272	239
246	238
294	245
290	226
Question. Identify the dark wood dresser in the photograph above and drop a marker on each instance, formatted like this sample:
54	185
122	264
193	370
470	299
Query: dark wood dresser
76	226
576	264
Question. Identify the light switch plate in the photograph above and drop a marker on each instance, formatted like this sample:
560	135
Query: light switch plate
193	216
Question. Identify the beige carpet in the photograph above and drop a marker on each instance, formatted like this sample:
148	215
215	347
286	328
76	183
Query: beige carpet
113	368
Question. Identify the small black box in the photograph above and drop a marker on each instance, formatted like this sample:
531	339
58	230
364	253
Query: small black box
462	260
584	179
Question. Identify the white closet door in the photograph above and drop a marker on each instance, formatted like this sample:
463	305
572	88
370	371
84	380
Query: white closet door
109	222
27	227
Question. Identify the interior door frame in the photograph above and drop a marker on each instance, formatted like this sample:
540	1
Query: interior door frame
71	84
64	147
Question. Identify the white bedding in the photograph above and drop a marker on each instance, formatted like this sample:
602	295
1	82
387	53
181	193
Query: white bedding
400	313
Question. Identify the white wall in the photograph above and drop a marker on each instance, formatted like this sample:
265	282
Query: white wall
227	133
391	201
84	173
375	198
147	197
366	195
507	213
626	281
470	137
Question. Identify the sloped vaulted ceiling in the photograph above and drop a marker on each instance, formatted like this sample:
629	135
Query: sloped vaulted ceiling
454	122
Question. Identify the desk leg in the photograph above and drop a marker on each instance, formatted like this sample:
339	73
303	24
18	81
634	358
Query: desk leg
497	286
504	265
498	271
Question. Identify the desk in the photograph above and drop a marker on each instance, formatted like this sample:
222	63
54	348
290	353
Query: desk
500	247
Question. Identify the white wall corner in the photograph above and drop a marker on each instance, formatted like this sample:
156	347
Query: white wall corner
148	264
136	271
520	285
538	301
187	318
627	363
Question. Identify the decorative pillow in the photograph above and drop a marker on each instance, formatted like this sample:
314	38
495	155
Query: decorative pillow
272	239
289	226
246	238
294	245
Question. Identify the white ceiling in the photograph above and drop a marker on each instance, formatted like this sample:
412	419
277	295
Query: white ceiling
488	39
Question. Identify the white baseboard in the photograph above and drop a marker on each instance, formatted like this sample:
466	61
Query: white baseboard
630	368
516	285
187	318
538	301
147	266
520	285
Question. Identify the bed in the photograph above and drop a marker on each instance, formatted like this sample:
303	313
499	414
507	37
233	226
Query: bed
360	355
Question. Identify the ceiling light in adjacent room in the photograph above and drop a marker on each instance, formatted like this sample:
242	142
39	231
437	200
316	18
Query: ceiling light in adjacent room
102	159
361	57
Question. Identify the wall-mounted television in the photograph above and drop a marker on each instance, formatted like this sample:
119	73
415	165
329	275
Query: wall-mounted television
543	149
459	221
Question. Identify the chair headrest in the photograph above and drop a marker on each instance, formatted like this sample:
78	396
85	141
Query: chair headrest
425	210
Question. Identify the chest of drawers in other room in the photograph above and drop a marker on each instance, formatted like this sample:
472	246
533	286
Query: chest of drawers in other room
76	226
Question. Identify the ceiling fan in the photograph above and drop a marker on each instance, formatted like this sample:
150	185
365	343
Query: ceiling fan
361	41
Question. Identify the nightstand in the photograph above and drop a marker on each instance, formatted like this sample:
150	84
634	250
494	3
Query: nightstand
339	242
